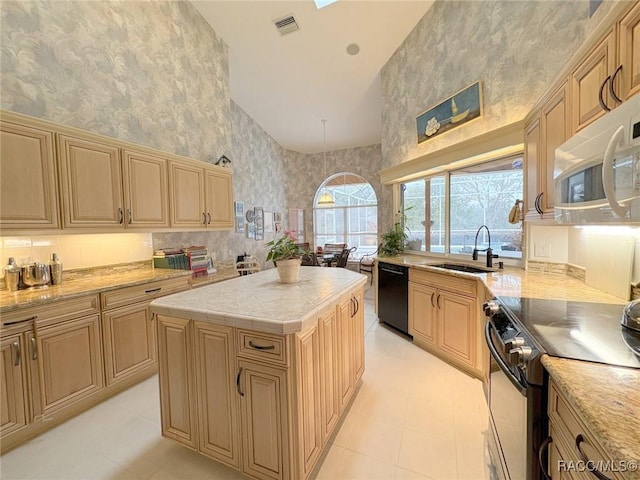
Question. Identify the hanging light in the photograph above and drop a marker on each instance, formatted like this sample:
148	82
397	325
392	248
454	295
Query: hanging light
325	200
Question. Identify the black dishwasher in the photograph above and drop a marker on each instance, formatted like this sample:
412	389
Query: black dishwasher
393	295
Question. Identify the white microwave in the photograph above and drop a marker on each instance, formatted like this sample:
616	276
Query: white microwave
597	171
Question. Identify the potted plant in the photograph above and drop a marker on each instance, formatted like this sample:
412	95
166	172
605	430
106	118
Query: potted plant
287	256
393	240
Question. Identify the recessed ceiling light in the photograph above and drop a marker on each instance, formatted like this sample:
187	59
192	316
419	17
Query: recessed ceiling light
323	3
353	49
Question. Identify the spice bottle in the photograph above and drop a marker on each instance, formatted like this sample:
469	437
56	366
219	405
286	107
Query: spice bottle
56	269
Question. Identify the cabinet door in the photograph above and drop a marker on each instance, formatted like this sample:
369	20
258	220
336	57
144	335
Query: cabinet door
13	391
263	413
586	83
146	190
70	360
329	346
186	187
456	332
218	423
531	159
308	399
422	313
28	193
219	198
345	352
358	335
177	405
129	341
629	47
554	131
91	180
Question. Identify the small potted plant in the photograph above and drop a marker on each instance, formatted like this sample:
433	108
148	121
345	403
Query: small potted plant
287	256
393	241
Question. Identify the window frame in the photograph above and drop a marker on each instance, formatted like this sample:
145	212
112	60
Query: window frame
447	254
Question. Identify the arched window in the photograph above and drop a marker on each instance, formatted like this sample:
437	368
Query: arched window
353	219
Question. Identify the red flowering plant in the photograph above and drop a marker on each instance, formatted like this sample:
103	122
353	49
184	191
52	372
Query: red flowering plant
284	248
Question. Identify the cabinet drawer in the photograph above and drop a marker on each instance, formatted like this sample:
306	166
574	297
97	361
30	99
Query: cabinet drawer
568	427
263	346
444	282
139	293
54	312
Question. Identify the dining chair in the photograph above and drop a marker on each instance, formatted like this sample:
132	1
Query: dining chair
367	262
304	246
342	259
334	248
310	260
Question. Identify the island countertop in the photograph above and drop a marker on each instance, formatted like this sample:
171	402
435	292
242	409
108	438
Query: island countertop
260	302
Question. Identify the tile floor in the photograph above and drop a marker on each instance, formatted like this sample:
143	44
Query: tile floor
414	417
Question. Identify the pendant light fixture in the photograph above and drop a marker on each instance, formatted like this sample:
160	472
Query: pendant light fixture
325	200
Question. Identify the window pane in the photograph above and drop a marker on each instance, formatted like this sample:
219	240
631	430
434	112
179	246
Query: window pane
414	211
437	207
485	198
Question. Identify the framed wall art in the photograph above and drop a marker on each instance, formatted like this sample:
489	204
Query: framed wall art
464	106
258	219
239	215
268	222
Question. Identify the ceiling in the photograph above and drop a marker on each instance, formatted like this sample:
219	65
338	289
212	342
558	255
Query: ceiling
289	83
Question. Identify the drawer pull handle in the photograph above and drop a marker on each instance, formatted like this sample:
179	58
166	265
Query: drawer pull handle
594	471
15	350
603	105
438	301
544	447
34	317
432	304
238	382
612	89
34	349
208	218
153	290
261	347
120	216
130	216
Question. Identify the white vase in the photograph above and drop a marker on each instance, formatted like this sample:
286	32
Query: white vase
288	270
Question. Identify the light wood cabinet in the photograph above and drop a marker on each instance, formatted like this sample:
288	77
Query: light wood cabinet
91	180
175	366
265	404
422	313
13	398
28	182
219	198
573	442
590	82
544	132
264	420
629	54
444	318
146	190
201	196
215	358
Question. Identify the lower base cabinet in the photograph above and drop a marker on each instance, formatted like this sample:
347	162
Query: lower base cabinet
261	403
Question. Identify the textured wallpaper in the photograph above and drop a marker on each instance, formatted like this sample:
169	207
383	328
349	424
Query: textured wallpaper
153	73
515	48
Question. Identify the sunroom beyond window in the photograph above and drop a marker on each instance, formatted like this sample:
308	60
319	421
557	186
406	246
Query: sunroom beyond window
474	196
354	217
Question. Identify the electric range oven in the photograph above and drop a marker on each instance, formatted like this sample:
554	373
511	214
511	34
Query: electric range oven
518	333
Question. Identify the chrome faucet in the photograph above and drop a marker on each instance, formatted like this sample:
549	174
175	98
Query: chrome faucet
490	255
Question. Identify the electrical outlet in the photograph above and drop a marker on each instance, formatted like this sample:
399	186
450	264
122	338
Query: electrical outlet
541	250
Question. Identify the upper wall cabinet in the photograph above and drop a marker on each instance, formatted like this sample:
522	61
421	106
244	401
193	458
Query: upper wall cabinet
200	196
53	177
91	180
146	190
28	193
629	54
609	74
544	132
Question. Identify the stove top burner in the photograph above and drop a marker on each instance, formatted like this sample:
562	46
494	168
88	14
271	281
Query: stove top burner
578	330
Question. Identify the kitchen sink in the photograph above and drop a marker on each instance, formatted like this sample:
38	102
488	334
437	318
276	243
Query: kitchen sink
461	268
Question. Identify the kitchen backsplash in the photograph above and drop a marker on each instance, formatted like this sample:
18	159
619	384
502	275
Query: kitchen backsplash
78	251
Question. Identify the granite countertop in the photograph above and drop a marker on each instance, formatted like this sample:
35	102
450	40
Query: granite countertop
76	284
260	302
608	400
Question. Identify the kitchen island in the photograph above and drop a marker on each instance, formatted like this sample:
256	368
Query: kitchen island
257	374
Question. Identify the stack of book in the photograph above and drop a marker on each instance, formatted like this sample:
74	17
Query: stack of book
170	258
197	256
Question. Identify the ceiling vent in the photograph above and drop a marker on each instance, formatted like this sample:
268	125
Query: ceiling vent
286	24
